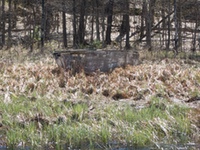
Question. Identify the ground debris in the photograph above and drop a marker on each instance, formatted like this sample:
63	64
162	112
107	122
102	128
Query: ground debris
192	99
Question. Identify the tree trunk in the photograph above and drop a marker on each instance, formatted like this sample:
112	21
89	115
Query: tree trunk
168	26
14	22
109	10
152	4
92	22
176	28
33	34
74	25
196	28
127	46
48	21
3	23
9	23
179	11
103	29
163	23
82	23
43	26
123	28
64	28
148	23
142	21
97	20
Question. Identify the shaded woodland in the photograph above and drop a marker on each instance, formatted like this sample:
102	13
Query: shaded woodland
164	24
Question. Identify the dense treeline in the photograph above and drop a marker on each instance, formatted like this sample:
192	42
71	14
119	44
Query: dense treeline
167	24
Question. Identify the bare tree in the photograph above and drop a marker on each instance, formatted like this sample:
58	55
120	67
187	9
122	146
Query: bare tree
168	26
3	23
163	10
43	25
92	21
148	23
9	23
74	24
142	20
48	20
179	21
97	20
64	26
176	28
109	11
127	46
81	30
194	40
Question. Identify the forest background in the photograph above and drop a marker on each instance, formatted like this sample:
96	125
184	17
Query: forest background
153	24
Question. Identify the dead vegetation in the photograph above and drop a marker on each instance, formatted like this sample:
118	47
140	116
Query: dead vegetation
49	95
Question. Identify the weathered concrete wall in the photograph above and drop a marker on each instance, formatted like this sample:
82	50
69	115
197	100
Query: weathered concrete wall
91	61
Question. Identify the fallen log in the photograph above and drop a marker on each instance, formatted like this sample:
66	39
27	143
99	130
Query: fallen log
92	60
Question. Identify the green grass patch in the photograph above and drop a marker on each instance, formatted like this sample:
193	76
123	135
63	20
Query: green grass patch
47	122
